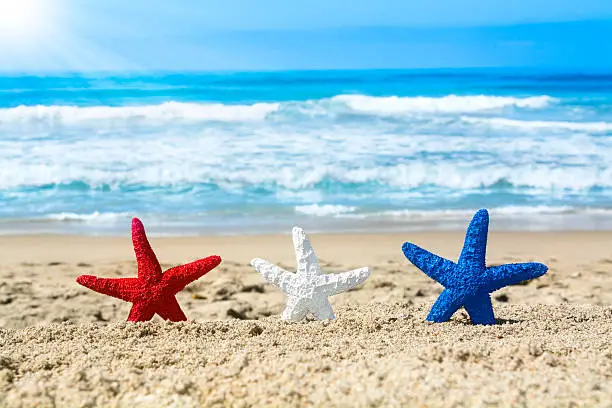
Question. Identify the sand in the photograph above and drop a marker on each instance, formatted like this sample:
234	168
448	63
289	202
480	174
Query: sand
63	345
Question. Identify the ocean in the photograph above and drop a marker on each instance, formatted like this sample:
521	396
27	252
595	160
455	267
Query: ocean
225	153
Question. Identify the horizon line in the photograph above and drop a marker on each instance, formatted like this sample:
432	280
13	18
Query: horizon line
514	69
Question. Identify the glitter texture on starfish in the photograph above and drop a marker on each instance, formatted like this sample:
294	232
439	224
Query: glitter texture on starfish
469	282
308	289
152	291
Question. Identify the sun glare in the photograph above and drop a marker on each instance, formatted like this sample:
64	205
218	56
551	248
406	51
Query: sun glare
20	19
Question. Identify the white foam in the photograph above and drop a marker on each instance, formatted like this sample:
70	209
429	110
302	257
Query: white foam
95	217
189	112
505	211
168	111
324	210
445	104
539	124
114	169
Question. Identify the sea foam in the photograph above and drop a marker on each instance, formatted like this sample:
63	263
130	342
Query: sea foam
536	125
342	157
168	111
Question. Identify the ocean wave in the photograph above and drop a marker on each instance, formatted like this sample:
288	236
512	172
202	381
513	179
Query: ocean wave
540	124
202	112
445	104
181	178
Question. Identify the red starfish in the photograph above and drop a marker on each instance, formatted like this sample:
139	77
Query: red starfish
152	292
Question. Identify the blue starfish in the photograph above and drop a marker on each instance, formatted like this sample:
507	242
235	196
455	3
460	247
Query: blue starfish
469	282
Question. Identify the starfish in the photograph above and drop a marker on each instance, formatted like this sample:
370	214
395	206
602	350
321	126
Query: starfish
308	289
152	291
469	282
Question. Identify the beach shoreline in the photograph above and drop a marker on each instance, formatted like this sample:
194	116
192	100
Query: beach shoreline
112	225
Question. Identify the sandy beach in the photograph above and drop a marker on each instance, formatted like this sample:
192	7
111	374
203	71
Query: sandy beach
64	345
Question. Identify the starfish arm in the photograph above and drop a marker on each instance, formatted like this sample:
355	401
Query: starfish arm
279	277
121	288
511	274
437	268
480	309
141	312
295	310
474	250
324	311
149	269
180	276
447	304
307	263
333	283
171	310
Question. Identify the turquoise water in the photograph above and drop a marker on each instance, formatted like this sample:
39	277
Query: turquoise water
258	152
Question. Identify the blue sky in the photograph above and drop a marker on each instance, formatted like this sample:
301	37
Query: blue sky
89	35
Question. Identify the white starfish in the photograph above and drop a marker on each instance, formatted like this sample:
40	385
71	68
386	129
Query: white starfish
308	289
